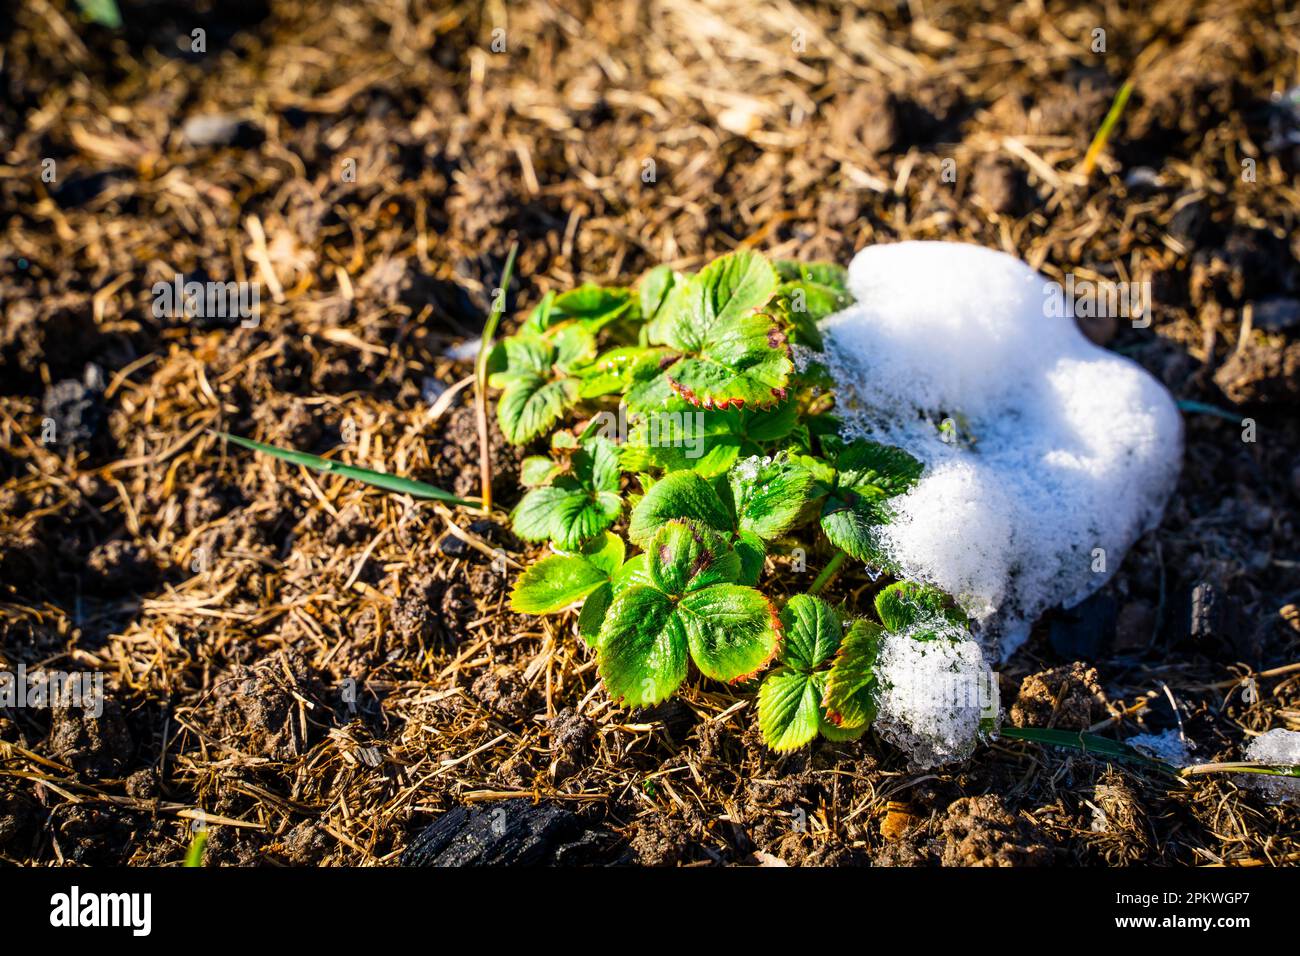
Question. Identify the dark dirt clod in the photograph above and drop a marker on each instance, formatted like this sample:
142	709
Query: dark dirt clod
1068	697
119	566
982	831
143	784
415	616
1000	184
456	461
1265	376
499	689
97	746
1119	821
94	835
664	841
571	737
306	845
19	817
268	708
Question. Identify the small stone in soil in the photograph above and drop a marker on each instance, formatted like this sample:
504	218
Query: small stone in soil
218	129
75	411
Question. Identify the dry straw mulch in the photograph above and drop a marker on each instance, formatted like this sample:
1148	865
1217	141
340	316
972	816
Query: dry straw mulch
322	670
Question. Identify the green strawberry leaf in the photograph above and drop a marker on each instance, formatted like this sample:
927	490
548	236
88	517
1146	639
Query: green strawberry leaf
593	613
679	494
768	425
770	494
876	470
525	355
840	734
537	389
605	552
725	291
733	631
812	630
849	522
573	344
905	603
643	647
594	306
648	389
532	404
734	353
685	556
581	515
653	290
752	553
850	699
618	369
789	708
864	476
532	517
828	274
577	505
555	582
679	436
811	291
744	363
537	470
539	320
636	571
595	465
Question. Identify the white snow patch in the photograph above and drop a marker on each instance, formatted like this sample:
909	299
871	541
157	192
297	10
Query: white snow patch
1278	748
1074	448
936	697
1168	746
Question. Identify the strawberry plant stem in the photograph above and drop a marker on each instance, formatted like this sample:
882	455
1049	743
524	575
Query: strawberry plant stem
828	572
480	379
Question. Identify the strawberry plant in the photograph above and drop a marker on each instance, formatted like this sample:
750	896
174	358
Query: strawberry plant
681	400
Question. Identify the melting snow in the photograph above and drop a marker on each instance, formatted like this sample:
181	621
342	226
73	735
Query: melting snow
934	695
1058	454
1279	748
1168	746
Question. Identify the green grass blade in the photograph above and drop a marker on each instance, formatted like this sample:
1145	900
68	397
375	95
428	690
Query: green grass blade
1107	125
379	479
494	315
480	376
198	843
103	12
1084	742
1246	766
1188	405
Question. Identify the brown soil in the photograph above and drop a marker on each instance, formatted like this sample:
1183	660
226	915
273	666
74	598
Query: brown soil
329	673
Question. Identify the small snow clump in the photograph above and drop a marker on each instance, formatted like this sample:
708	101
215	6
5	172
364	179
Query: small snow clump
1276	748
936	695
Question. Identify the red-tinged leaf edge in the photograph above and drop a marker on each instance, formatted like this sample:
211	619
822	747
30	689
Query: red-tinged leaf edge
776	646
